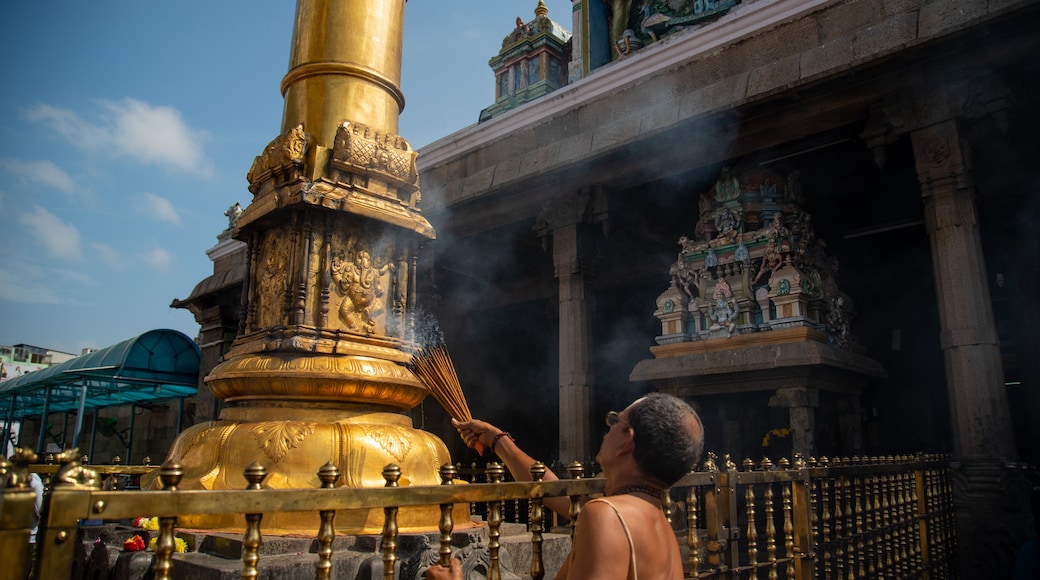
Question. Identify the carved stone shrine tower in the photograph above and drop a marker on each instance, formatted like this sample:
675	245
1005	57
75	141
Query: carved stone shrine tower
754	316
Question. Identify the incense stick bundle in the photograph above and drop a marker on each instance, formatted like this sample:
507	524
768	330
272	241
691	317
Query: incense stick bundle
434	367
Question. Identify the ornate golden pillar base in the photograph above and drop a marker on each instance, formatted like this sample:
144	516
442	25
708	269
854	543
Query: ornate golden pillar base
312	423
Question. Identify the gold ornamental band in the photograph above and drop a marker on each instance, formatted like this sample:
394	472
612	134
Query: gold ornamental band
315	69
314	378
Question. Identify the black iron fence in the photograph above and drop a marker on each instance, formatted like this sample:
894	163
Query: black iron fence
877	517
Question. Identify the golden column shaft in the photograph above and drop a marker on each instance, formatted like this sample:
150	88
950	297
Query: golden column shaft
345	63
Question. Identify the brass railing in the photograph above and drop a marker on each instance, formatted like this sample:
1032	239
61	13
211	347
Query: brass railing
873	517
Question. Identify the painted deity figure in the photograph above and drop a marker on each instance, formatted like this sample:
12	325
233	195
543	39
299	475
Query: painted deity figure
727	222
772	260
705	229
684	277
727	188
723	313
359	283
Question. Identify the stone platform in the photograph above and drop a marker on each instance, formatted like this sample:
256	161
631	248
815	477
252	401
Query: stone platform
217	556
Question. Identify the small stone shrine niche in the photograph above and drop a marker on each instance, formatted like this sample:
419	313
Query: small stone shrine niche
753	264
532	62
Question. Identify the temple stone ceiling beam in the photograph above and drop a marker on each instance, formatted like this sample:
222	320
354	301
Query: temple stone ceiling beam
510	180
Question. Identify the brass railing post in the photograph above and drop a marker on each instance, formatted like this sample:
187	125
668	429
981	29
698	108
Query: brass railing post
839	517
788	525
921	506
575	469
716	506
391	473
17	507
328	474
802	524
166	544
770	499
825	518
59	521
495	472
446	524
537	525
251	540
860	563
693	539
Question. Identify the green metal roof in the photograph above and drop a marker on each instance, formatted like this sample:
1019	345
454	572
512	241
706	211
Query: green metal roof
159	364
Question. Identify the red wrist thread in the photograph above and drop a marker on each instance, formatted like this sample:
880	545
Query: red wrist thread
494	441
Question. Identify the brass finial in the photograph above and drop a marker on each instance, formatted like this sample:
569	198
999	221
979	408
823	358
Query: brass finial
391	473
494	472
255	474
575	469
541	9
447	473
328	474
170	474
537	471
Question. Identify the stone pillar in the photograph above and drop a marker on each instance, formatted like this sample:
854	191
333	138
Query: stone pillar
576	374
566	219
801	406
979	413
990	495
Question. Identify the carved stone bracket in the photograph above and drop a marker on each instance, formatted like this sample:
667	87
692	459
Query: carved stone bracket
367	152
588	206
284	153
972	94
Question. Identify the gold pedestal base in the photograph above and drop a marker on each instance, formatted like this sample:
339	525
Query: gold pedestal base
293	443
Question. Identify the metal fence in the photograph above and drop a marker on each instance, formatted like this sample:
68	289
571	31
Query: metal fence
877	517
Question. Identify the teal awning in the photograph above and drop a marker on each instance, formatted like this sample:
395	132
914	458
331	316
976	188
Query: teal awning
159	364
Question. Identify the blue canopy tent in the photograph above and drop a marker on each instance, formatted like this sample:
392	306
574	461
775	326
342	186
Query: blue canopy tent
157	365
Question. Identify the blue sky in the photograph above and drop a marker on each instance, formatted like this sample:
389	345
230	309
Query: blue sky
127	128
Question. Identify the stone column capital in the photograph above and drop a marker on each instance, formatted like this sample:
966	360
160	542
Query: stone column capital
588	205
935	99
790	397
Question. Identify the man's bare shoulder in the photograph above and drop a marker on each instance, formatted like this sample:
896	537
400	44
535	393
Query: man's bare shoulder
601	549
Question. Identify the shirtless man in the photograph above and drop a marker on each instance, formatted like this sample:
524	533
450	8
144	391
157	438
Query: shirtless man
649	446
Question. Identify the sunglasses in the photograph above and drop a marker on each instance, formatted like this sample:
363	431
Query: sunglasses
613	418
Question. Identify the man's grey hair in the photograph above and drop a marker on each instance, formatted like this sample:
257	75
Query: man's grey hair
664	446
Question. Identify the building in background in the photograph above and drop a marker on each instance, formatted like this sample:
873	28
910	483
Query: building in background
19	359
584	238
532	62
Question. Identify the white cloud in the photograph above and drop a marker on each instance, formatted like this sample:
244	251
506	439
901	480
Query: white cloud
60	239
135	129
107	254
158	135
158	207
41	172
71	126
24	283
158	259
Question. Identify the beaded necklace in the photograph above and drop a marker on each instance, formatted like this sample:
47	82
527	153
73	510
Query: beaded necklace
653	492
